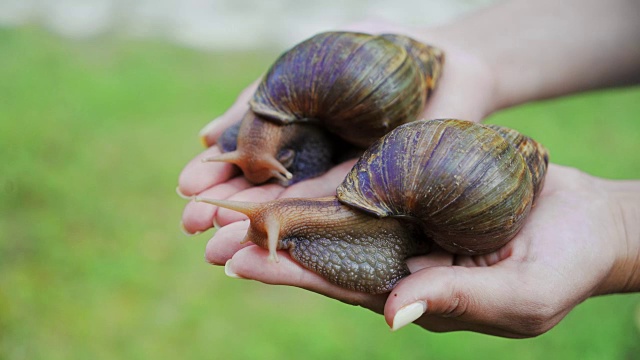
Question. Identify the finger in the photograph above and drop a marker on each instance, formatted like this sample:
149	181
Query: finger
252	194
199	216
324	185
212	131
252	263
226	242
479	297
489	259
436	257
411	300
503	300
198	176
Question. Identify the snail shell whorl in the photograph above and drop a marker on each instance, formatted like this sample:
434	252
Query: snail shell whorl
465	183
535	155
350	81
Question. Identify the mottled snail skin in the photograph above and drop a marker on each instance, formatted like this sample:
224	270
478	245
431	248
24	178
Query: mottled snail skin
357	86
465	186
346	246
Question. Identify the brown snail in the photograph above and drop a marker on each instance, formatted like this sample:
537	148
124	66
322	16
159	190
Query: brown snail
465	186
352	86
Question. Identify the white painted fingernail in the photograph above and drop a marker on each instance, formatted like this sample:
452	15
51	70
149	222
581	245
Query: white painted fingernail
229	272
186	232
182	195
408	314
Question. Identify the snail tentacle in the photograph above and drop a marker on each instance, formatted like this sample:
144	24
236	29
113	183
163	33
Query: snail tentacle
243	207
273	232
265	225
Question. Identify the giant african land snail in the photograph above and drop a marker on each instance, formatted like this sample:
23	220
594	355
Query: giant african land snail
336	85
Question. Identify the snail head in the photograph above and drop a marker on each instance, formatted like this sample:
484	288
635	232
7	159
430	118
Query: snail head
289	153
265	224
258	151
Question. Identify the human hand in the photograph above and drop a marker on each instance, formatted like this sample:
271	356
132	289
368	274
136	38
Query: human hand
464	92
580	240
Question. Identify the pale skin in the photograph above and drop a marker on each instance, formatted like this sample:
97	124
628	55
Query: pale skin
582	239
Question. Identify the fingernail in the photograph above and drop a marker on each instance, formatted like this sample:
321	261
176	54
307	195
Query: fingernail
182	195
186	232
206	130
229	272
408	314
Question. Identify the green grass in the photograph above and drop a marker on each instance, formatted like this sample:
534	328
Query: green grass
92	263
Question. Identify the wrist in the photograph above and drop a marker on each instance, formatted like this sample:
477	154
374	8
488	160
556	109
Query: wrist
624	205
472	65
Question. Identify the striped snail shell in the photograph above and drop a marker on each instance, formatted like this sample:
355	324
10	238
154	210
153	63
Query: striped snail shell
353	86
464	186
469	186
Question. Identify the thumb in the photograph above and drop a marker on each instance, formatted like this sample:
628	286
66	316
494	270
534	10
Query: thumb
456	298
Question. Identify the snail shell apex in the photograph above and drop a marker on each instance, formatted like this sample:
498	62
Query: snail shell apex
465	183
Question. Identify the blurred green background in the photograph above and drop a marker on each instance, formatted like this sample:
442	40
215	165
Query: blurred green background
93	135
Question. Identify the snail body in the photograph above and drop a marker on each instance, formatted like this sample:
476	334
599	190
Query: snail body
351	86
463	186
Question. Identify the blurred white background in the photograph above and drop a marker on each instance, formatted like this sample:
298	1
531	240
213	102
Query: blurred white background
223	24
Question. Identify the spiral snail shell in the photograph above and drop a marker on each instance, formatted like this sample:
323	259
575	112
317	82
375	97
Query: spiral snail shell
464	186
353	86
